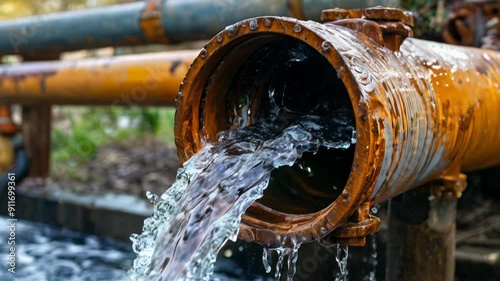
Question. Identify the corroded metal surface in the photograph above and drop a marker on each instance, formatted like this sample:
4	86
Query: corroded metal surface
423	113
150	79
148	22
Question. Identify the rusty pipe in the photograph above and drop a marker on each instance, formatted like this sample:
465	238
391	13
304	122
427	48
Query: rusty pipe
424	111
148	79
148	22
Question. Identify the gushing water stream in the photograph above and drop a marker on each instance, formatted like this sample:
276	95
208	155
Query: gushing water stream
203	208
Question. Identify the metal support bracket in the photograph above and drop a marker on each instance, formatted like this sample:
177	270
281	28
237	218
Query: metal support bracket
355	230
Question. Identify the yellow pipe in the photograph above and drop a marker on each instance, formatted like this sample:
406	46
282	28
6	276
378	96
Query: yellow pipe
146	79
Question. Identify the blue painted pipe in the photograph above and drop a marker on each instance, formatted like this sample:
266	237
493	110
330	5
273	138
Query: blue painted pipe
122	25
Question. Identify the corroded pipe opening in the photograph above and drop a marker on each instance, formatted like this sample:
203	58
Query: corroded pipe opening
284	78
235	81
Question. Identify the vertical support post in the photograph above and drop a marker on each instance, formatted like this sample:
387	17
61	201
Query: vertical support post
37	122
421	236
37	125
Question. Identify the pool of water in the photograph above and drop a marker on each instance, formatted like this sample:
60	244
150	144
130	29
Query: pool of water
45	253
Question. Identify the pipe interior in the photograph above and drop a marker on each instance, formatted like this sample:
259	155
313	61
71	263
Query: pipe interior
277	74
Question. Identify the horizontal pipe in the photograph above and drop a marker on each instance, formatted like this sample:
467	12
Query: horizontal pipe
148	22
146	79
423	113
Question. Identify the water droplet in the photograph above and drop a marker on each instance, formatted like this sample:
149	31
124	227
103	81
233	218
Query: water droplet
203	53
326	46
228	253
267	22
231	30
322	230
153	198
297	28
134	237
254	25
339	72
219	38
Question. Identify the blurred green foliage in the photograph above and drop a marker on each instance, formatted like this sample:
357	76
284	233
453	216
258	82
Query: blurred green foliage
93	127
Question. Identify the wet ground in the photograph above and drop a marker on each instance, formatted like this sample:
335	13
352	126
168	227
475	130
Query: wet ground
45	253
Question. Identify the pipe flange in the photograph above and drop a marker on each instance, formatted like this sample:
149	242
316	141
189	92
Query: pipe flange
355	230
394	25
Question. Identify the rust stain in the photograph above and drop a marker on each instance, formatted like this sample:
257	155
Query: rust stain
151	23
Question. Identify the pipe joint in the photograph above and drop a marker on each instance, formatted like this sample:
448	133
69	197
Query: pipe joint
151	24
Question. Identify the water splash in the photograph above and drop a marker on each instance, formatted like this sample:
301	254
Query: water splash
254	24
203	209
